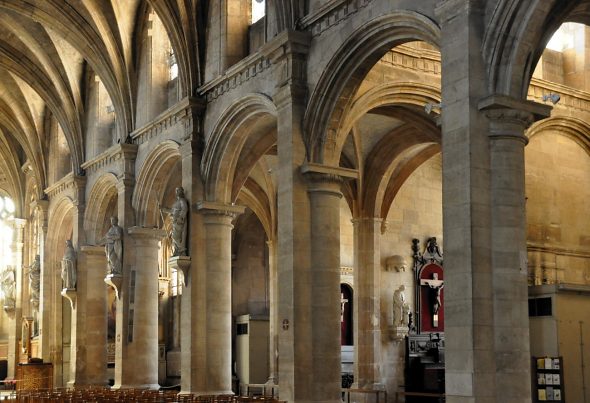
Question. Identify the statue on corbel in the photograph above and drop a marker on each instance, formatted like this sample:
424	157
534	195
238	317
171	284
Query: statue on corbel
178	213
401	314
113	246
69	273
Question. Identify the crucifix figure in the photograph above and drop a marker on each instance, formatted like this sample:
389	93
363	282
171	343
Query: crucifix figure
434	287
343	301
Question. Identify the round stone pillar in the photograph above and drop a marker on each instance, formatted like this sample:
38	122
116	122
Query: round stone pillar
324	194
138	365
509	252
217	219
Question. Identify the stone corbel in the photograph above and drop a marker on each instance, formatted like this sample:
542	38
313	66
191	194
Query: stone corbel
115	281
398	333
70	294
182	263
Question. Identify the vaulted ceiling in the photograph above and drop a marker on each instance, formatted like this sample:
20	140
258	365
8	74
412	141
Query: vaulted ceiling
47	47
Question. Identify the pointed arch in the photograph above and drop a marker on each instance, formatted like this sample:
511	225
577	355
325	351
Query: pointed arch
151	182
224	146
332	98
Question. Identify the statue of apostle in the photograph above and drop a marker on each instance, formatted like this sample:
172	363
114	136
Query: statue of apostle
401	308
34	273
178	214
113	247
68	266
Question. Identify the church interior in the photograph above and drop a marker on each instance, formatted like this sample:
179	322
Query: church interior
303	200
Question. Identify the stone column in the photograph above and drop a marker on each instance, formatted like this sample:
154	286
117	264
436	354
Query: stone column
273	320
324	196
125	362
193	303
287	53
367	307
508	119
43	313
137	364
475	227
217	219
14	317
88	357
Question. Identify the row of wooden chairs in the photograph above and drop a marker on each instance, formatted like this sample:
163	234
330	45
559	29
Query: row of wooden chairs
100	395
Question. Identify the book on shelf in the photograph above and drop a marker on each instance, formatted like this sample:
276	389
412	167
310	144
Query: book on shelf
549	393
541	394
556	379
541	379
548	363
540	363
556	394
548	379
556	363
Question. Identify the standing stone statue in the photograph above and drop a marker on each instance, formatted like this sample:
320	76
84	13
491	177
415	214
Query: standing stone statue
178	213
113	247
8	284
68	266
35	281
400	307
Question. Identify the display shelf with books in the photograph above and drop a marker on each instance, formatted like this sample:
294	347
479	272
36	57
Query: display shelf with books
547	376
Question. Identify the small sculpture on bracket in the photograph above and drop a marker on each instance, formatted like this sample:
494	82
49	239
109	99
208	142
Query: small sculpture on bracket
178	214
401	314
34	272
68	267
400	307
113	247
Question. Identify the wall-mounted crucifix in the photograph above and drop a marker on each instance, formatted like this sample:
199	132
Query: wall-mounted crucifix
434	288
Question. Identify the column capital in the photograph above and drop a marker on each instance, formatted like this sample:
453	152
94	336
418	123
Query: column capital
146	233
324	178
92	250
509	117
218	209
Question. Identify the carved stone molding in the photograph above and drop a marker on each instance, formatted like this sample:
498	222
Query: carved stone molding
123	154
235	76
185	112
68	182
330	14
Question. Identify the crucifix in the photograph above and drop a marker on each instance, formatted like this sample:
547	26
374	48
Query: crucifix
343	301
434	288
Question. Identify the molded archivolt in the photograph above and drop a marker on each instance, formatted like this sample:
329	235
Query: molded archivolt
101	201
226	144
332	98
573	128
393	94
516	38
152	180
59	226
